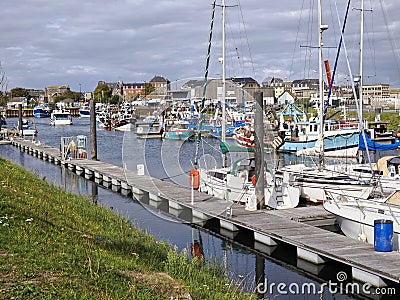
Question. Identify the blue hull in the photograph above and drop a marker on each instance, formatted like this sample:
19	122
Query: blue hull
178	135
39	113
84	113
338	142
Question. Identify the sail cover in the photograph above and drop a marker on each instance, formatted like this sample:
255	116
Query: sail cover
374	146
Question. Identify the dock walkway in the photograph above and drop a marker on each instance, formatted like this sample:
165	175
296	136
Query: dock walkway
269	227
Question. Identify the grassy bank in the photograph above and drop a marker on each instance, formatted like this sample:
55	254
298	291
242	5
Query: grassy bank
55	245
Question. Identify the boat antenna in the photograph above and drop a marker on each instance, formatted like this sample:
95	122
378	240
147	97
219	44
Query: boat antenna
361	124
203	100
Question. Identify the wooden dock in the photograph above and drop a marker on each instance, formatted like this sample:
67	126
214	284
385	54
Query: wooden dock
268	227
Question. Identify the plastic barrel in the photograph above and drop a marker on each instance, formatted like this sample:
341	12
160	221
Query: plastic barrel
383	235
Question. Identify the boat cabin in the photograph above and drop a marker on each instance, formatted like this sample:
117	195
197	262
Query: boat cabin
389	166
379	132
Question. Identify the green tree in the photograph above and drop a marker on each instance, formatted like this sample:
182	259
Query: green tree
148	88
3	87
66	95
115	99
102	93
19	92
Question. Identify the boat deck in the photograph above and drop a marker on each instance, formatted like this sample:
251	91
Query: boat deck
270	227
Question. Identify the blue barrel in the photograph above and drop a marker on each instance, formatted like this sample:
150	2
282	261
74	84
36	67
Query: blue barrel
383	235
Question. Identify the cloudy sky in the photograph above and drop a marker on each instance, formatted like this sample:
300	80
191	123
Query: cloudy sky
78	43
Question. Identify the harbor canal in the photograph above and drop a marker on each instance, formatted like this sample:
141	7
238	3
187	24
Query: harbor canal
242	261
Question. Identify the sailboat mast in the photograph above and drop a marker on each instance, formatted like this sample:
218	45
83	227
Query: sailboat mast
223	100
321	28
360	82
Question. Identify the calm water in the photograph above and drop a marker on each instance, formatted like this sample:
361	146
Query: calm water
171	160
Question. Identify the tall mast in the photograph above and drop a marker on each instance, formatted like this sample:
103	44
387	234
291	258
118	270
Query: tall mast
223	104
321	28
360	82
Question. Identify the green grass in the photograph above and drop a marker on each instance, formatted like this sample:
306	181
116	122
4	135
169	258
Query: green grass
55	245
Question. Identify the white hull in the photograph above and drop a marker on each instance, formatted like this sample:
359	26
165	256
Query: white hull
126	127
341	153
29	132
60	122
236	189
60	118
356	218
315	185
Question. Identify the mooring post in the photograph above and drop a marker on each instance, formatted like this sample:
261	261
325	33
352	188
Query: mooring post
20	130
93	133
259	149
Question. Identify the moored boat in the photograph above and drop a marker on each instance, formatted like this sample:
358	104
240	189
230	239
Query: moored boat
356	217
235	183
178	133
60	117
41	111
27	128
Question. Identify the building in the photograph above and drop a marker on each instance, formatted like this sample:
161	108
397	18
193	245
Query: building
286	98
237	90
115	87
374	94
52	91
131	91
305	88
161	85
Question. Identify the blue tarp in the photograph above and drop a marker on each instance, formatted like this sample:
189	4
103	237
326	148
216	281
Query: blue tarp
374	146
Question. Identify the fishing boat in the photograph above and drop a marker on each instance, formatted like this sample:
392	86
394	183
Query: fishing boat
300	136
27	129
178	132
244	136
84	111
60	117
356	217
41	111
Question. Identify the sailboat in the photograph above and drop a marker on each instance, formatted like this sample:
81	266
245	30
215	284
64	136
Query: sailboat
236	183
357	217
313	182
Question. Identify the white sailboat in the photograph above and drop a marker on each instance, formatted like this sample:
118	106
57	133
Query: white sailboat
314	181
356	217
236	183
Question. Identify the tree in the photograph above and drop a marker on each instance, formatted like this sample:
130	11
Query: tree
66	95
115	99
148	88
19	92
102	93
3	87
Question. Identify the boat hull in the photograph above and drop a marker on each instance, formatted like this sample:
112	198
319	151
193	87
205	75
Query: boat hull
357	220
331	143
178	134
84	113
40	114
